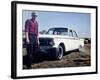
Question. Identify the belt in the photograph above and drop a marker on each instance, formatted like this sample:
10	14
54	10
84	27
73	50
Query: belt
32	34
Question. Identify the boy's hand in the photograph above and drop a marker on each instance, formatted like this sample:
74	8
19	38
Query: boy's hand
27	41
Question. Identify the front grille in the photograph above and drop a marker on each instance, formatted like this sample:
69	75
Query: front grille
45	41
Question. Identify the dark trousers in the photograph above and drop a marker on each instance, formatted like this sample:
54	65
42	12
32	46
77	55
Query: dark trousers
31	49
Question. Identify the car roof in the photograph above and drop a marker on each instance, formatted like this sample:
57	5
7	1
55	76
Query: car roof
58	28
62	28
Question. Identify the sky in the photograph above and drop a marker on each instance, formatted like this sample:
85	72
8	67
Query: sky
80	22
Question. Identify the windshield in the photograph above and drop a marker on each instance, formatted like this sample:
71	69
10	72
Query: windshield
58	31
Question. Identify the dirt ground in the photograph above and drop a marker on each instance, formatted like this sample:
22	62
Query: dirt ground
70	59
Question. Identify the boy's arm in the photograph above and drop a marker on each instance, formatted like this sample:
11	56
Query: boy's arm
27	30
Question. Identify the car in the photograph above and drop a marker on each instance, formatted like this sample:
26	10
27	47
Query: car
58	40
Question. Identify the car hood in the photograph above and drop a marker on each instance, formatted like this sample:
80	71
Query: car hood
52	36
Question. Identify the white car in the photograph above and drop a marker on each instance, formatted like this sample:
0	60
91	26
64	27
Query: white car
58	40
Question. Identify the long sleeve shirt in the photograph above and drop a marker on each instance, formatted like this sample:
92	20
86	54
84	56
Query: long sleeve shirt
31	27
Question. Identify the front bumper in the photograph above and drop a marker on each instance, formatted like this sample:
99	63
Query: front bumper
48	49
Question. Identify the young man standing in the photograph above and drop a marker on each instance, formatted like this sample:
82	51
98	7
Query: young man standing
31	32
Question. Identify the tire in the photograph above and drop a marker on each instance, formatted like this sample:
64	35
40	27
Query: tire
59	53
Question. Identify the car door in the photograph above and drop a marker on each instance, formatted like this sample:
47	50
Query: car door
71	40
76	40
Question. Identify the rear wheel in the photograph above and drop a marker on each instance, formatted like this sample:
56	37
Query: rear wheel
59	52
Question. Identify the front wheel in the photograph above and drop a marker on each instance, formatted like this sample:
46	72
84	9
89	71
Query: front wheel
59	53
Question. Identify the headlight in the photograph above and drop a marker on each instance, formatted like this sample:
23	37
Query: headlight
51	43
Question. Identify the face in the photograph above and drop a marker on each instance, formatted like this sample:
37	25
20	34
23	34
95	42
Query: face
33	17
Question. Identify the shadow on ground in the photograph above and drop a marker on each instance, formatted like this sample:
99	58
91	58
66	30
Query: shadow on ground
40	57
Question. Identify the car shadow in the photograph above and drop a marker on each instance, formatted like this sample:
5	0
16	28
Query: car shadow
40	57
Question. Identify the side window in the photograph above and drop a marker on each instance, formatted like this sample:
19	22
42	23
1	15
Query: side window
70	33
75	34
